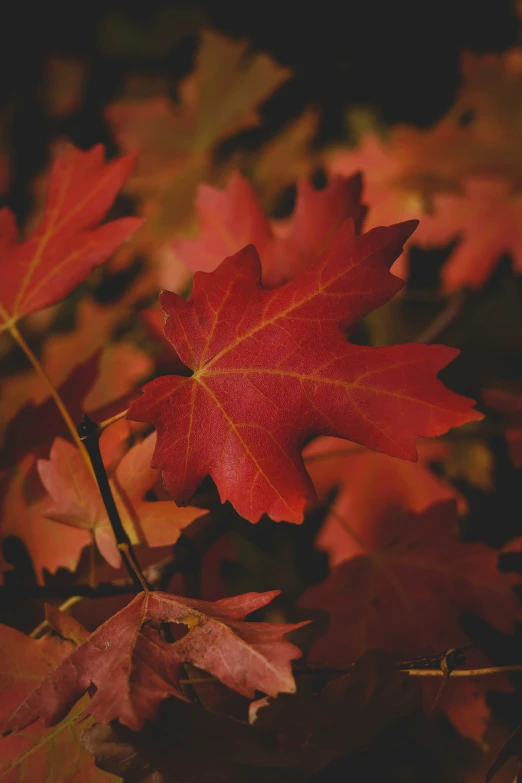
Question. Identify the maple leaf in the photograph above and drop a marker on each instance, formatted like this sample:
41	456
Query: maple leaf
233	218
486	218
39	754
134	669
404	590
399	182
390	198
272	368
122	365
66	245
78	503
286	158
292	736
50	545
355	472
489	95
216	101
423	567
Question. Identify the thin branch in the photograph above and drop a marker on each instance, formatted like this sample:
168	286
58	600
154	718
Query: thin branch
484	672
89	433
448	664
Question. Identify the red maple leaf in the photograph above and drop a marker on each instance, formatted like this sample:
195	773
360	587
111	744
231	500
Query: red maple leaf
355	473
77	501
405	590
272	368
134	668
68	242
424	568
233	218
486	219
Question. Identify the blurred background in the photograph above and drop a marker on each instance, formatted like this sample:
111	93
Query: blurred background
62	63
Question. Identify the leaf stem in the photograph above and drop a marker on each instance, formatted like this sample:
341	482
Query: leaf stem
89	433
113	419
54	394
411	672
441	321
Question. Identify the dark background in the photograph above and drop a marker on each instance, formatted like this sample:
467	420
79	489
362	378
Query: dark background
401	55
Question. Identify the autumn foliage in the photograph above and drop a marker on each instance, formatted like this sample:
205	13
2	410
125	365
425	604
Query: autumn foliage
254	366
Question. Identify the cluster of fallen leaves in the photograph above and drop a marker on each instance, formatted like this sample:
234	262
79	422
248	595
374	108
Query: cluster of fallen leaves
254	379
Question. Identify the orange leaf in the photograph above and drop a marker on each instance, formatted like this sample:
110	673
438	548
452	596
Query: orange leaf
77	501
50	545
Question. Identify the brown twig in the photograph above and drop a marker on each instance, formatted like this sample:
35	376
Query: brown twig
89	433
410	672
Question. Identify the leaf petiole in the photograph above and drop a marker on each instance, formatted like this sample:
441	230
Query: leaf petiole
54	394
113	419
